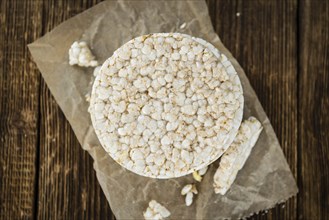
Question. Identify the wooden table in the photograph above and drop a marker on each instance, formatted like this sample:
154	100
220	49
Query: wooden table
283	45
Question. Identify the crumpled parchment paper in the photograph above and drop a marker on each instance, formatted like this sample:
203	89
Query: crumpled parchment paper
265	179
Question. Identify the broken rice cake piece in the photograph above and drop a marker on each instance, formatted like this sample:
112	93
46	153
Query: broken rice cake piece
80	54
236	155
155	211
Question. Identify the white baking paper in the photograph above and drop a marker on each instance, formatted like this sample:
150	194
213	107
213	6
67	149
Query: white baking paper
265	179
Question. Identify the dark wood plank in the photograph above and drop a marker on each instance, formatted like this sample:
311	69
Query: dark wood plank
313	107
67	185
262	35
68	188
19	109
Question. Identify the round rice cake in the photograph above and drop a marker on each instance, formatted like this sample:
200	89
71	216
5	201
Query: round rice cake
166	104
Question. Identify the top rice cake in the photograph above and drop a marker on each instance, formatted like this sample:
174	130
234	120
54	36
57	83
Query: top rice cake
166	104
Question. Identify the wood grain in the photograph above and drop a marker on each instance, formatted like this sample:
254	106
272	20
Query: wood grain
283	47
262	35
68	188
313	200
67	185
19	109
